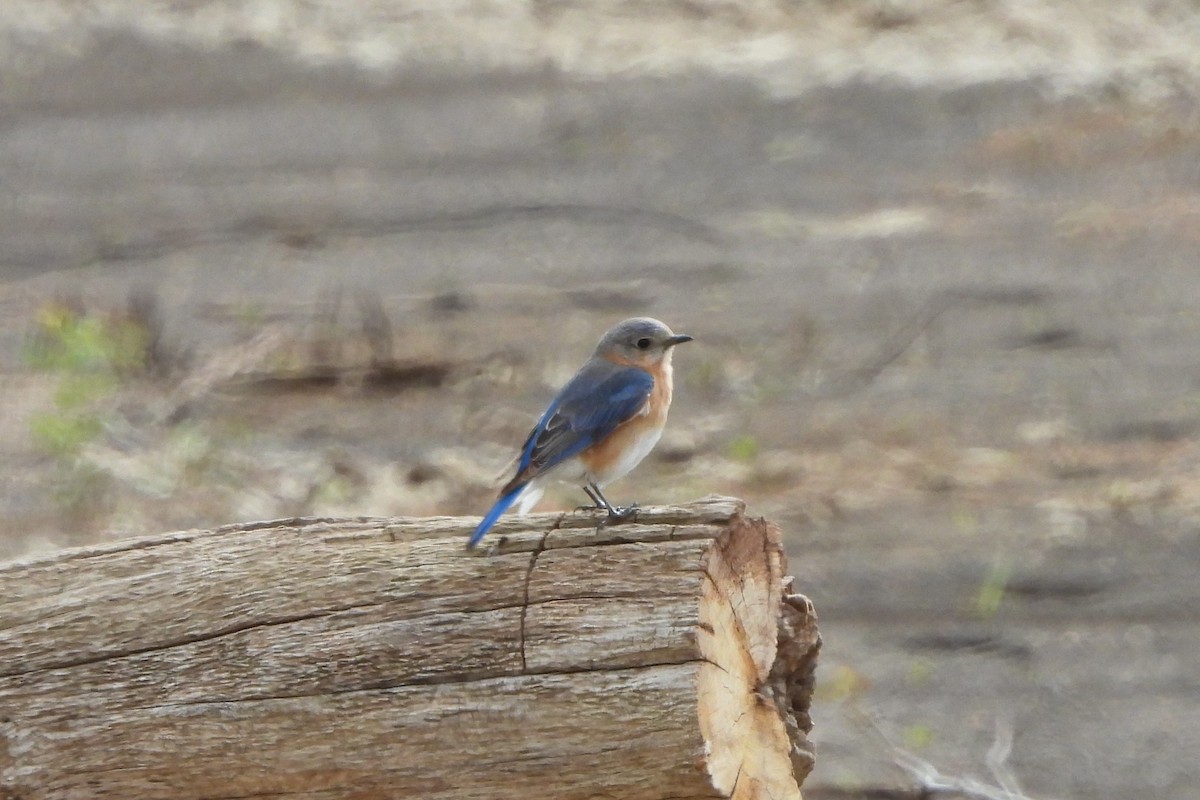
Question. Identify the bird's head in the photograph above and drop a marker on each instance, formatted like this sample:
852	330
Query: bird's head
641	342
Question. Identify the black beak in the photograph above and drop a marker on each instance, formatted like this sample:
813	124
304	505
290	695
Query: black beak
678	338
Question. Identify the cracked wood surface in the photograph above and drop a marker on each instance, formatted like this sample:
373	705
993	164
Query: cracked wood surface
313	658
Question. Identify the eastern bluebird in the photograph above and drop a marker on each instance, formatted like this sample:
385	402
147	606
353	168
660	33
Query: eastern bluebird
602	423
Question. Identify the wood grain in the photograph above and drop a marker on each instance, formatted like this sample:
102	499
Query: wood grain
375	658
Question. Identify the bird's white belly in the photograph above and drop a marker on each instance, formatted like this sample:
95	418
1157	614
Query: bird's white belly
630	457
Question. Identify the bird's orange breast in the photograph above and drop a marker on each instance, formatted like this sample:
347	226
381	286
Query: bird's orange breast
608	456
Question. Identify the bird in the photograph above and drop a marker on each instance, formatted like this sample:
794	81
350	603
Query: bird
600	425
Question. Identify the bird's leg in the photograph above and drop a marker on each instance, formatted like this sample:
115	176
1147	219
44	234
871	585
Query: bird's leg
598	501
615	513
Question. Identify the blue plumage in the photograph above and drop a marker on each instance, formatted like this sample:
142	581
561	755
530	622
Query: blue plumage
503	504
600	397
601	424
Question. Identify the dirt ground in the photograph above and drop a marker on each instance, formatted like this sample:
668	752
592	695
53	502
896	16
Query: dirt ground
946	336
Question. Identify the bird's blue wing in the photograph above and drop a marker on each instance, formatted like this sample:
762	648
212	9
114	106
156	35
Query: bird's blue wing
598	399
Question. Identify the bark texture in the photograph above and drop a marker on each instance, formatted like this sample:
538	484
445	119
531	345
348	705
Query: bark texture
376	658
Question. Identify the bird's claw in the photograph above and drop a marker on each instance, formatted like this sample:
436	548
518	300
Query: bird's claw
589	508
619	514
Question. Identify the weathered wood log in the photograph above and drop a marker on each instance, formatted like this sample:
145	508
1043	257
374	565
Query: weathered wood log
376	658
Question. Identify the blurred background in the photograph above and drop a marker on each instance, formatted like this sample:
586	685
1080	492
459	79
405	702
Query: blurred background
319	257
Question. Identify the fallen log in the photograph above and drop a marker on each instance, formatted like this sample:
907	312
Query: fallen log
376	658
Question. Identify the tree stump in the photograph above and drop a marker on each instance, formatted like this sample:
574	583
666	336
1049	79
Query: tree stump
376	658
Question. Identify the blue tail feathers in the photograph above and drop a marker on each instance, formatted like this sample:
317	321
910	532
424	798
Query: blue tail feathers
503	504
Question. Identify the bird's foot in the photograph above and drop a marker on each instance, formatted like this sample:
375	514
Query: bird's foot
596	507
619	514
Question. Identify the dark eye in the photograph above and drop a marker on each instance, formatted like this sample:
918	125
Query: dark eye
643	343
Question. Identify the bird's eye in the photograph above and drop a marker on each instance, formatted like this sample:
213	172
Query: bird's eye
643	343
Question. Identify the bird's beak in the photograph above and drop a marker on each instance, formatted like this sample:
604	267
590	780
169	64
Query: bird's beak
678	338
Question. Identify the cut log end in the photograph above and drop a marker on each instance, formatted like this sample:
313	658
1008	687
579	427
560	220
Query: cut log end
759	644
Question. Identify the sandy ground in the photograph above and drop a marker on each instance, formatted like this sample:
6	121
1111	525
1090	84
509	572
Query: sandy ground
945	323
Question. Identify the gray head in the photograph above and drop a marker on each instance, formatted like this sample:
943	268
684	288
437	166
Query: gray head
640	341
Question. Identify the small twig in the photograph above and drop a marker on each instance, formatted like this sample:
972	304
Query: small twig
932	782
891	350
997	758
896	345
